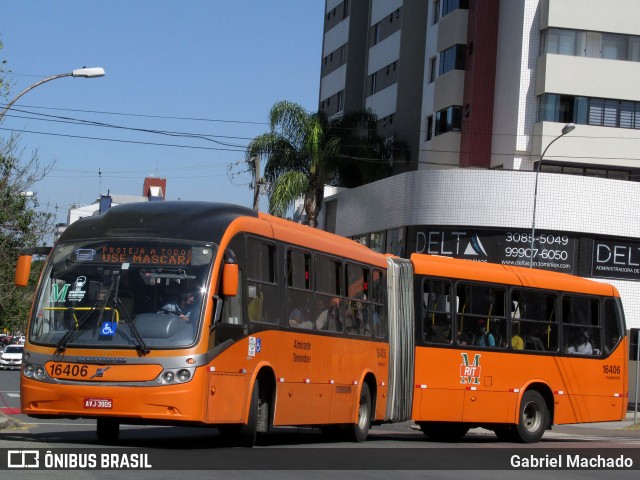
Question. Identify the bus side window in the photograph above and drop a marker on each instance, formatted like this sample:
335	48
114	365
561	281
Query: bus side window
357	306
328	273
300	308
378	290
612	324
534	326
262	289
581	324
437	318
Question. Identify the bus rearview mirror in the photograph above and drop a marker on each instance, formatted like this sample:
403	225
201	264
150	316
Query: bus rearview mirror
23	270
230	280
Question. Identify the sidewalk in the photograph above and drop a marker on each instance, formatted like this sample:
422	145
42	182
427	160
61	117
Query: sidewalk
621	428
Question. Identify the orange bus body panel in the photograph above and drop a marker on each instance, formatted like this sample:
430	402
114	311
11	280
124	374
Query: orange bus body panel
492	391
479	385
317	377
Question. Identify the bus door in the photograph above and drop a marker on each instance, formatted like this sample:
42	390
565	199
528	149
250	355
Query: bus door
484	370
438	396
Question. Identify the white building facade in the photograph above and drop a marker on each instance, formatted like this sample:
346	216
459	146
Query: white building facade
497	82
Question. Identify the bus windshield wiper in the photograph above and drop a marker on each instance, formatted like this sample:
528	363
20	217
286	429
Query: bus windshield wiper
141	346
83	322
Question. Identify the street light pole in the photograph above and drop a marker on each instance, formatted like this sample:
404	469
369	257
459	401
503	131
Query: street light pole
82	73
569	127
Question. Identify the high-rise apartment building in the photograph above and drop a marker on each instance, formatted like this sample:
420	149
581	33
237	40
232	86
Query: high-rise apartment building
479	92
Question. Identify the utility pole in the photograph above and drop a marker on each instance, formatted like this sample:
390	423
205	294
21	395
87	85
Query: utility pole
257	182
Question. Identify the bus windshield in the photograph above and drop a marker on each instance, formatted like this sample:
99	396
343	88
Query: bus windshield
122	294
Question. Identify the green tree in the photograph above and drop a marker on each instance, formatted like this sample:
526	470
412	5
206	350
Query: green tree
364	155
306	151
21	224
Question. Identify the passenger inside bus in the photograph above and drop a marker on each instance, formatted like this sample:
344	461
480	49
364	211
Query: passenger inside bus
296	319
438	332
581	344
183	308
254	307
533	341
464	338
484	339
517	342
329	318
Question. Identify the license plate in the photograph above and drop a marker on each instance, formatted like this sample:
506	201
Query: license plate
98	403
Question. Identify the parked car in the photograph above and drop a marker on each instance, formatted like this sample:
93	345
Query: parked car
11	357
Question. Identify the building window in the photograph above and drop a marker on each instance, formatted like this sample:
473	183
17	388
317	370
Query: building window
383	78
372	83
588	111
432	69
586	170
449	6
385	27
429	127
436	12
448	120
334	60
375	34
579	43
452	59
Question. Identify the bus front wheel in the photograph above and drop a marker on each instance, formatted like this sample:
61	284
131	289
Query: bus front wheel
361	428
246	434
107	430
533	417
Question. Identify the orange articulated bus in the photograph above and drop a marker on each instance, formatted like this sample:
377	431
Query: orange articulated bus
207	314
190	313
515	350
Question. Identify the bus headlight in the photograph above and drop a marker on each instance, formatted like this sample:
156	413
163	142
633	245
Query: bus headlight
35	372
40	373
182	375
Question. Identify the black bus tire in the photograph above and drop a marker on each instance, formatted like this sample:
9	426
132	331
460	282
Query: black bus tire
533	417
107	430
247	433
363	422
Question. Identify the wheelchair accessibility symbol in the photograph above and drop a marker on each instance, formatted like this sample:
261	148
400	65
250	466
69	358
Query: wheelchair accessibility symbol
108	329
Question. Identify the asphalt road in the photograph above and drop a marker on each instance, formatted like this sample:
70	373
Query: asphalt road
397	447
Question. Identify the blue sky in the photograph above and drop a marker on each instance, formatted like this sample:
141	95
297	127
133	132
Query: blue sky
222	64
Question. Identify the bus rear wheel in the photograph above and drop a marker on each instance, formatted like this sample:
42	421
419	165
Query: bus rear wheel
533	418
107	430
444	431
360	430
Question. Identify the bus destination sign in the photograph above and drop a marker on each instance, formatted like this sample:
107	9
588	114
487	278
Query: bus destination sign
147	254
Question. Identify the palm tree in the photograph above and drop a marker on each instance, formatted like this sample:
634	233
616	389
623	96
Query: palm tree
364	155
299	158
306	151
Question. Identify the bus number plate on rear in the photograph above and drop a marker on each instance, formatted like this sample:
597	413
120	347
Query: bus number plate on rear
98	403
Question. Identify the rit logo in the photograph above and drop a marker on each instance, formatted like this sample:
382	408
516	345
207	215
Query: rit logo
470	372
